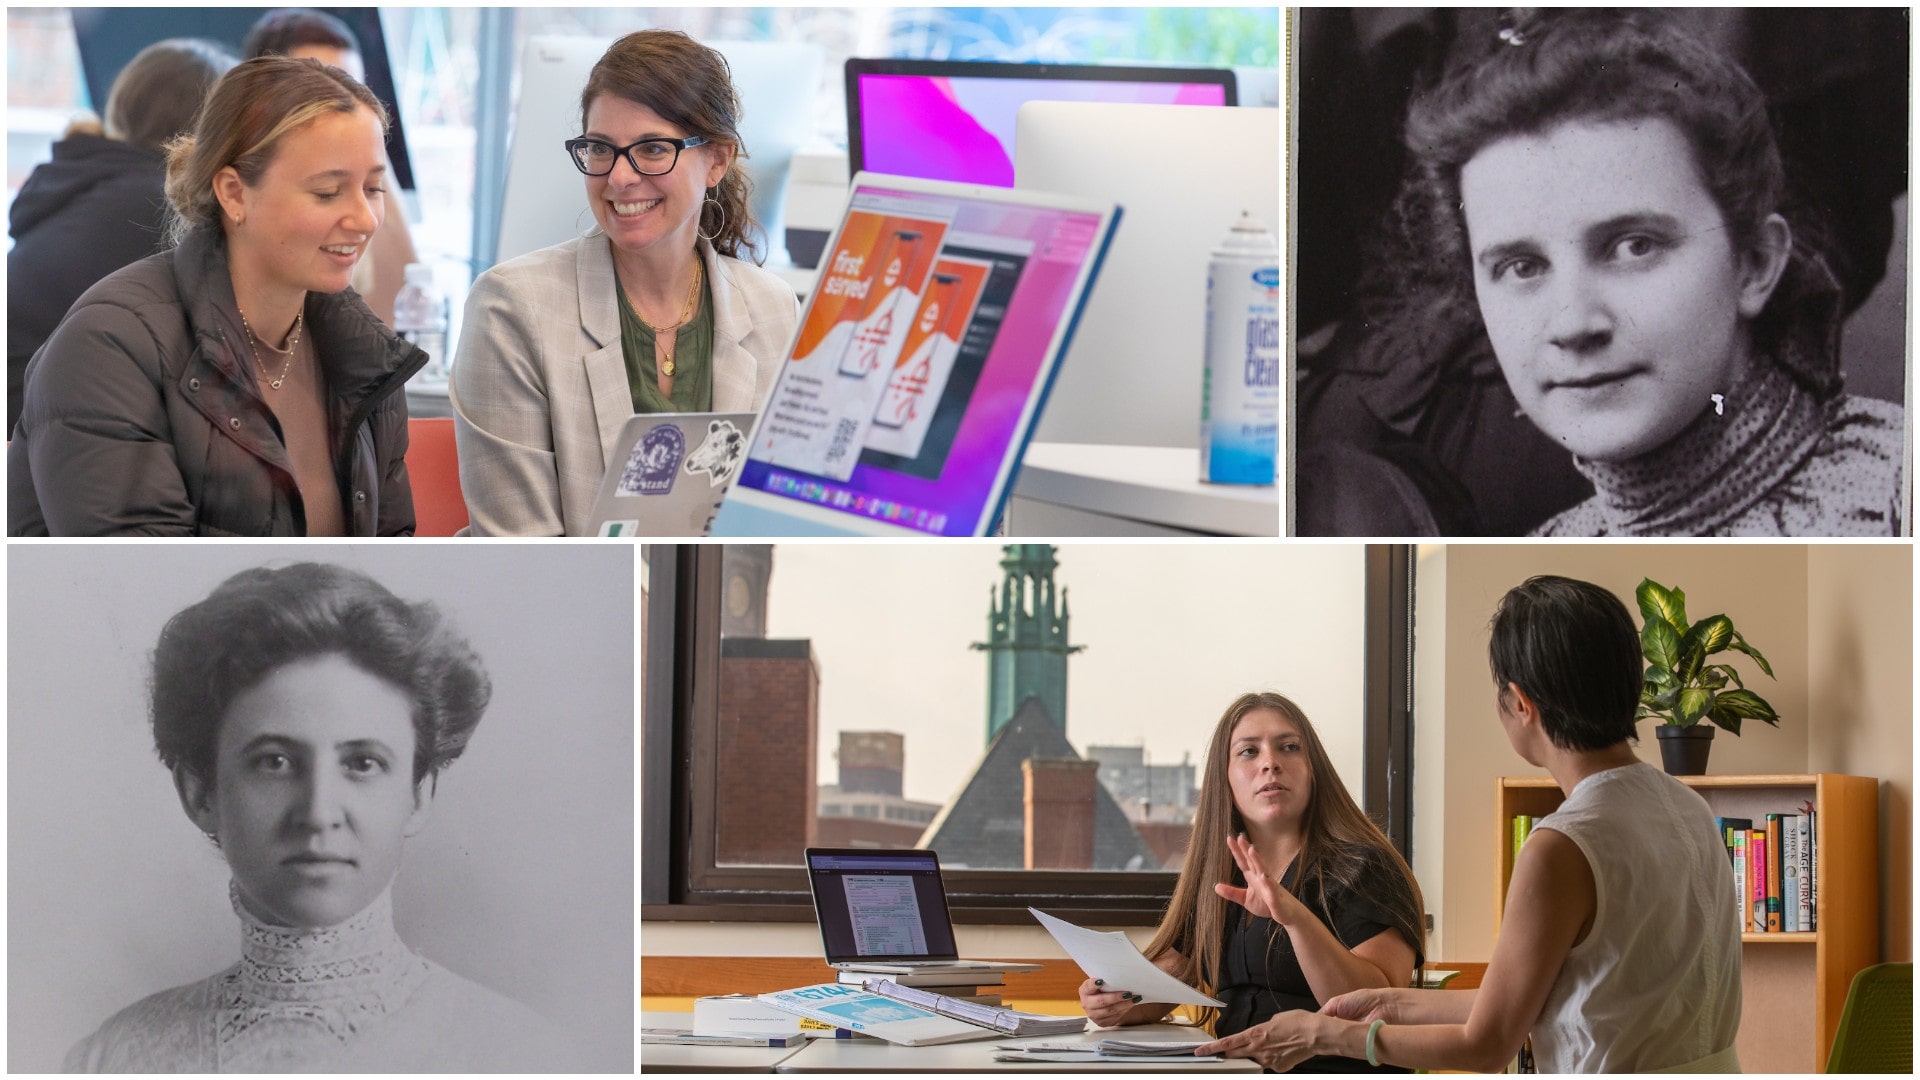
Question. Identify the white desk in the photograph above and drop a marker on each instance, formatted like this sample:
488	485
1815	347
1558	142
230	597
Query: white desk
873	1055
671	1057
1086	489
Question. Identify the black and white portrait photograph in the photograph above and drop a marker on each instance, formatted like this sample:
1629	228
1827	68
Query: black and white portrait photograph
1600	272
320	808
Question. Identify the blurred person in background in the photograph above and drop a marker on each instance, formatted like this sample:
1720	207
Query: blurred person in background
100	204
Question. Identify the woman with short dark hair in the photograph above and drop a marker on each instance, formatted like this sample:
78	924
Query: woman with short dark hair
306	714
1619	946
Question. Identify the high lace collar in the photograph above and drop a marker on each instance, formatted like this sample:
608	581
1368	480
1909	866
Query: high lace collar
1713	471
294	985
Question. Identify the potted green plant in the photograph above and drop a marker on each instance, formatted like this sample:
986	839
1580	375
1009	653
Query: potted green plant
1681	688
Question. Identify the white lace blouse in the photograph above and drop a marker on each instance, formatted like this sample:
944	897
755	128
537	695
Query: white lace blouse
349	998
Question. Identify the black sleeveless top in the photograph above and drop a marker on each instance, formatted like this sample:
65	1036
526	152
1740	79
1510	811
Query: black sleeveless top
1261	976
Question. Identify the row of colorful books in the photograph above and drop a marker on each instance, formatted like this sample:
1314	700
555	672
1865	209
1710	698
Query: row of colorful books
1775	870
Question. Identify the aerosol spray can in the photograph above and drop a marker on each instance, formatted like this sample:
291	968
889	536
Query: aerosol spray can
1240	398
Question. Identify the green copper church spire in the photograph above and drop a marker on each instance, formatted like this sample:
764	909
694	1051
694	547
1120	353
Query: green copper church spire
1026	642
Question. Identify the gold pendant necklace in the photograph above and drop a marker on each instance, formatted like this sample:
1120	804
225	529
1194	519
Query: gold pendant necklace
667	366
293	343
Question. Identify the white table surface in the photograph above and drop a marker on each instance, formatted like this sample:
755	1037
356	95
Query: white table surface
873	1055
1159	485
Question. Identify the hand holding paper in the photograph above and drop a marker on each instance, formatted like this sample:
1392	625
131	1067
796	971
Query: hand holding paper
1110	957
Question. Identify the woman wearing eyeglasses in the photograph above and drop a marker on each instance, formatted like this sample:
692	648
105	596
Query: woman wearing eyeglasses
651	311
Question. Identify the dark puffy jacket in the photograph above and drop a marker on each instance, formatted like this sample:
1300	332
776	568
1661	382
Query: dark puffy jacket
96	207
143	417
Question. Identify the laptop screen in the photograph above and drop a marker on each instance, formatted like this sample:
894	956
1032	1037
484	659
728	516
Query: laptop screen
876	905
928	340
945	120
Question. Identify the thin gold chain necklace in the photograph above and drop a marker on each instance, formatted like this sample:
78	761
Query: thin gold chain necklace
667	366
293	343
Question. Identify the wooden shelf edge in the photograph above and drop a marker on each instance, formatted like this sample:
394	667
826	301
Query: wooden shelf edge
1760	780
1781	938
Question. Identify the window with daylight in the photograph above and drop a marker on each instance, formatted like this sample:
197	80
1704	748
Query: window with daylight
1037	714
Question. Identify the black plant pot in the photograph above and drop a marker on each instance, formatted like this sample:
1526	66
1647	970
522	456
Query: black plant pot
1683	750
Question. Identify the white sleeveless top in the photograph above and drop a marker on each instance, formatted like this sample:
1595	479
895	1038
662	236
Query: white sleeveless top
1656	983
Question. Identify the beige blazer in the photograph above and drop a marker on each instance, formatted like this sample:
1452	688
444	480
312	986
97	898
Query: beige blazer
540	389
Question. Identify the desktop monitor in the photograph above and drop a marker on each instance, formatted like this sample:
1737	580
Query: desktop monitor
546	198
1133	373
952	120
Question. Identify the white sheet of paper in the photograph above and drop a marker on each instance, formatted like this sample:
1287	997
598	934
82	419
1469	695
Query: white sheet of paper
1112	958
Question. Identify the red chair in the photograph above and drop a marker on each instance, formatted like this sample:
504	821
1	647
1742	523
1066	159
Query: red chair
434	467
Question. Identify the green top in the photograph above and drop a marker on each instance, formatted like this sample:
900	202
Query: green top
692	360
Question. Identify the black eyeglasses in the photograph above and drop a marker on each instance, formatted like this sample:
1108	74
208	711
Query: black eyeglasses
649	157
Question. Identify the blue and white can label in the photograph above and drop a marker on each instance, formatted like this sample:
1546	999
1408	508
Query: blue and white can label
1240	395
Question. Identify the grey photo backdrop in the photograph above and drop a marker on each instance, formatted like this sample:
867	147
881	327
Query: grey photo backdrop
522	880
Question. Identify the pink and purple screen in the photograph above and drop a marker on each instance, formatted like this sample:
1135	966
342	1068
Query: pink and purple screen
961	129
1035	257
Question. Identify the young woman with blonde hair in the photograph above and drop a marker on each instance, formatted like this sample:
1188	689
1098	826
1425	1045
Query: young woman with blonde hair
235	384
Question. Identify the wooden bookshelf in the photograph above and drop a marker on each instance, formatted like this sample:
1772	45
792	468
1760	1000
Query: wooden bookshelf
1781	974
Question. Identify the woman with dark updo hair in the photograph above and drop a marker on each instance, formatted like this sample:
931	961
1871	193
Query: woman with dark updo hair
1602	196
306	714
652	311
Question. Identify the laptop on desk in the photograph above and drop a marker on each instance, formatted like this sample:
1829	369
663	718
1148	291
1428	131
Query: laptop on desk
921	363
669	472
885	911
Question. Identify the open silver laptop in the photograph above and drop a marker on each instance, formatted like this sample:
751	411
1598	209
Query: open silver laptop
669	472
885	911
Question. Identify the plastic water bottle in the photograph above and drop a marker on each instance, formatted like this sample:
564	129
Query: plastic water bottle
420	316
1240	397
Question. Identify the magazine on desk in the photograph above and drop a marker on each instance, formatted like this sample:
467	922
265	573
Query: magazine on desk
871	1014
997	1020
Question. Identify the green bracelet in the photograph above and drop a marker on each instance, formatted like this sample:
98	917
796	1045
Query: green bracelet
1373	1030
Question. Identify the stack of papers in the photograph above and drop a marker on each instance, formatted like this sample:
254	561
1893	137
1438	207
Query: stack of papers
1161	1052
686	1037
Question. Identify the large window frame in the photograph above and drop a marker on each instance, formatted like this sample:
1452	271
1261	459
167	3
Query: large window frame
680	730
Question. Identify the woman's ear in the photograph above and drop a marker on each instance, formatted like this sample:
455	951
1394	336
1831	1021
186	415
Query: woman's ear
422	804
196	798
232	193
1764	265
1520	706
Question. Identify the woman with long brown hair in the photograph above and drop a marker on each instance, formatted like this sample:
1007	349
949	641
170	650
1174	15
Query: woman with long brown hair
654	310
1289	896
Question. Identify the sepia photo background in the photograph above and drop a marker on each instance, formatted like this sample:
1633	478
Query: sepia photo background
522	880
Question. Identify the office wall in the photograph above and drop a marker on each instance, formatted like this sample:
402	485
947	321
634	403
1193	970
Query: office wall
1762	587
1860	663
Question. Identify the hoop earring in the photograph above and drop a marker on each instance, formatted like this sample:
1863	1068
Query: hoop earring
591	229
717	229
